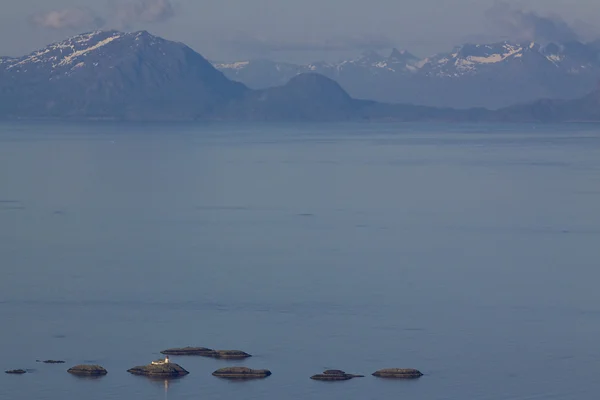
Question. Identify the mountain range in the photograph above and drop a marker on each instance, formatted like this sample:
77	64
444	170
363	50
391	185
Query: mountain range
138	76
472	75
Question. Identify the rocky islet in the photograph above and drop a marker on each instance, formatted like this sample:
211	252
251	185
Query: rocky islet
161	370
241	373
335	375
16	371
207	352
398	373
189	351
87	370
231	354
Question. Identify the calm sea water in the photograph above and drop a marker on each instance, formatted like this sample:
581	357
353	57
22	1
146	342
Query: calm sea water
468	252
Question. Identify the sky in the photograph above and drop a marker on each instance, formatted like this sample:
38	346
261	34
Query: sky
301	30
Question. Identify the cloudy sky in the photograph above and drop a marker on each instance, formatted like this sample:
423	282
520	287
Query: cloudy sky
300	30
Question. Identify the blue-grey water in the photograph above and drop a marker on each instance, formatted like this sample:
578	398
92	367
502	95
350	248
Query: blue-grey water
469	252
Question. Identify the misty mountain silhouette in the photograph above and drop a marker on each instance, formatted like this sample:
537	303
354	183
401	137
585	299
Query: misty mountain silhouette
491	75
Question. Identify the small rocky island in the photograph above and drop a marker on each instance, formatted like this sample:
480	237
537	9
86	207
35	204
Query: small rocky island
206	352
335	375
87	370
16	371
51	361
159	368
398	373
231	354
241	373
189	351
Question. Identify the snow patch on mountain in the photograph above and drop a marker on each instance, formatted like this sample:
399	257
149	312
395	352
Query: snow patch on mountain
69	59
495	58
469	59
35	57
234	65
74	50
555	58
397	62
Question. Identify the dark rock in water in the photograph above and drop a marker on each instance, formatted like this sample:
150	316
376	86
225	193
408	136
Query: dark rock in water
206	352
16	371
87	370
190	351
334	375
232	354
398	373
241	373
52	361
159	370
334	372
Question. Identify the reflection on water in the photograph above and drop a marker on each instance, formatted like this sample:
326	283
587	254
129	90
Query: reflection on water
88	377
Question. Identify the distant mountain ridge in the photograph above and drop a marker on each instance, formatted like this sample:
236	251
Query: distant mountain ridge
472	75
138	76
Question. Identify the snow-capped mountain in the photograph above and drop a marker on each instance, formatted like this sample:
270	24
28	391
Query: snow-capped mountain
470	59
570	58
471	75
66	57
111	72
261	73
264	73
397	62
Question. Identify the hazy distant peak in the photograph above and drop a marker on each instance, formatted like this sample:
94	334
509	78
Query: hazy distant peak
370	55
311	80
401	55
561	70
504	49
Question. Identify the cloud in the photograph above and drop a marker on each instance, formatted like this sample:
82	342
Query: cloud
127	13
122	14
252	44
529	26
587	31
68	18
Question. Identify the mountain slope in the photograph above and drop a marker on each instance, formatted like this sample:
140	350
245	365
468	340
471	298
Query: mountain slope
108	74
307	96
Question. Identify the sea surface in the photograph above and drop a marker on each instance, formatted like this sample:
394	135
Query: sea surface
470	252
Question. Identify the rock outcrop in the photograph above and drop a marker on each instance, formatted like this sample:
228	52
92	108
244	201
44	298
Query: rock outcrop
159	370
206	352
87	370
16	371
52	361
189	351
241	373
231	354
335	375
398	373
